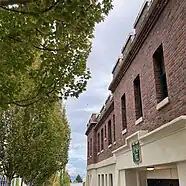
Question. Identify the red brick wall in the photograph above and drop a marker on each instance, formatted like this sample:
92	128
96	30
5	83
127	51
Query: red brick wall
107	151
170	30
92	159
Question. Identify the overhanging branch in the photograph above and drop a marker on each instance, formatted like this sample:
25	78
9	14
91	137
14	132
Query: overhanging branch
31	102
12	2
4	3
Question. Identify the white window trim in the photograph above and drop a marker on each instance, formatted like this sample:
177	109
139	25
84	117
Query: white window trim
110	146
124	131
102	151
98	153
162	104
138	121
115	143
105	139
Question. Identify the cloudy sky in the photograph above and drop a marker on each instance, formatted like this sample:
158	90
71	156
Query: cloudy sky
110	36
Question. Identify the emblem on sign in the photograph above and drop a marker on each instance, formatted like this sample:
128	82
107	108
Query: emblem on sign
136	152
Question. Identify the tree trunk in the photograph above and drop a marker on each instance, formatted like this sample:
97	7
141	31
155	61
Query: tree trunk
8	180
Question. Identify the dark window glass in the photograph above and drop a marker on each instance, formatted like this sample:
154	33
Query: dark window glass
110	180
88	149
137	95
109	133
114	128
102	139
99	180
124	116
160	74
91	147
98	142
105	131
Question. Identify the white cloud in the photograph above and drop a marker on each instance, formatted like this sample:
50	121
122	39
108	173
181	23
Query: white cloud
93	109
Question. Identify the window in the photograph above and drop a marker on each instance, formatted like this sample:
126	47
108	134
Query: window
106	183
160	74
88	148
89	179
102	139
110	180
98	142
91	147
114	128
105	131
124	115
102	178
99	180
137	95
109	133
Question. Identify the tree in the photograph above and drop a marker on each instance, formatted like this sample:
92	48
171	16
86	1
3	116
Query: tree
64	178
34	142
6	161
49	144
45	45
78	179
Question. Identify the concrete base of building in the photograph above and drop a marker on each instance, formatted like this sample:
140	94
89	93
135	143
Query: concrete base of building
162	157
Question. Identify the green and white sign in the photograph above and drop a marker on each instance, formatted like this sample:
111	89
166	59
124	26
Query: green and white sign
136	152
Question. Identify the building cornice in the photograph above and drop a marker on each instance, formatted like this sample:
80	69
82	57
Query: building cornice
105	115
145	4
92	124
153	14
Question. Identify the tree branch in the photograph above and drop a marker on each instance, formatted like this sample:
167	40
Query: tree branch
48	49
32	101
12	2
51	7
28	13
18	11
42	46
14	38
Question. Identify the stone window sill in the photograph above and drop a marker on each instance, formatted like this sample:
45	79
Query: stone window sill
162	104
115	143
124	131
98	153
138	121
110	146
101	151
105	139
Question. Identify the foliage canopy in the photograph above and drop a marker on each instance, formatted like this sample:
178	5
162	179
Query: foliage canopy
44	48
34	142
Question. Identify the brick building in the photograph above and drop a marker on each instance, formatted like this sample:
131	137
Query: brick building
139	136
